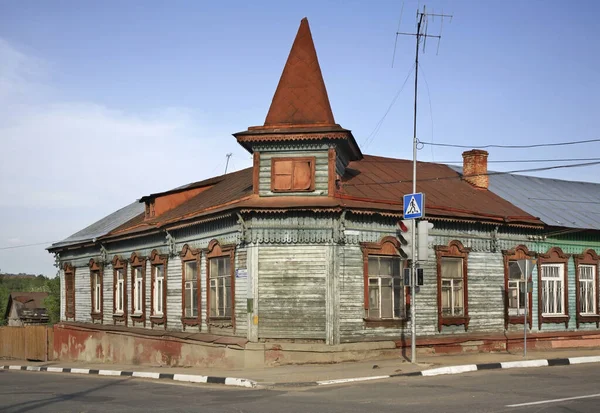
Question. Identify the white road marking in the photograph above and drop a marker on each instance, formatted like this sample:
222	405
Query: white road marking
590	396
339	381
524	363
580	360
450	370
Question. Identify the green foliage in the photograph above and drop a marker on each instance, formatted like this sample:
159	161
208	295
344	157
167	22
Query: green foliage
52	302
28	283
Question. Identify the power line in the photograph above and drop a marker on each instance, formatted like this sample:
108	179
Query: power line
441	178
375	131
27	245
539	145
530	160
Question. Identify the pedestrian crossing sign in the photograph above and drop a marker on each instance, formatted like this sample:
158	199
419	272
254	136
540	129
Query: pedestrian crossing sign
414	206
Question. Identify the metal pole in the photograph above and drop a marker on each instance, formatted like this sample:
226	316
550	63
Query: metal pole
526	308
413	276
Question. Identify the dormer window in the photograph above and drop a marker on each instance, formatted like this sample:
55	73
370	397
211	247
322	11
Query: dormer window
149	209
292	174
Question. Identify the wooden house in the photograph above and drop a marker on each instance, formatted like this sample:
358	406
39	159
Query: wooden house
299	258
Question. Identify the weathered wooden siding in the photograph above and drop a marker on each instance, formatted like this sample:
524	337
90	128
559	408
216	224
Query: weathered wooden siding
486	291
83	296
292	292
321	172
174	294
107	291
241	293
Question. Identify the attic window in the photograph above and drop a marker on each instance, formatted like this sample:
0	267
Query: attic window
149	209
292	174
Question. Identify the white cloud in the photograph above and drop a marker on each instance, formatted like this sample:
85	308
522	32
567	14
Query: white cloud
87	158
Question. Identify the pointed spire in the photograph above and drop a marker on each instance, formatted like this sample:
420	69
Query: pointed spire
301	97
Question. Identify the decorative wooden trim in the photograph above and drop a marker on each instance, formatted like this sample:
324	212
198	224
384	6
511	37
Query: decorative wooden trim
96	267
190	254
215	250
158	259
555	255
138	261
69	271
454	249
119	264
520	252
255	172
310	159
331	176
587	257
387	246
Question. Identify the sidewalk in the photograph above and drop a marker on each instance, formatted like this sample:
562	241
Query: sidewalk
323	374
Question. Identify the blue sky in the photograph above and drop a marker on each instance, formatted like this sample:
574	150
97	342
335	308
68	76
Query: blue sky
104	102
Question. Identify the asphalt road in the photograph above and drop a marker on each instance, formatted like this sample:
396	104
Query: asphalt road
532	390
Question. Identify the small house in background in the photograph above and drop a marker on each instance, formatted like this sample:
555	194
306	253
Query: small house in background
26	308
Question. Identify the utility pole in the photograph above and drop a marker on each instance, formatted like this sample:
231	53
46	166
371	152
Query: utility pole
227	164
421	34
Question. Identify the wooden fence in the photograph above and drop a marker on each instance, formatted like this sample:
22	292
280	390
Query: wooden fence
27	343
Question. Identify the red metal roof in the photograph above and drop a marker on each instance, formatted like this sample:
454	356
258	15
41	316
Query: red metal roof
372	185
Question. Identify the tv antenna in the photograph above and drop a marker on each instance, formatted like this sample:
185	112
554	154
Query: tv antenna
227	163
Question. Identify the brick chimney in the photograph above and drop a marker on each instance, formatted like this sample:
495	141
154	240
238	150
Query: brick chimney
475	168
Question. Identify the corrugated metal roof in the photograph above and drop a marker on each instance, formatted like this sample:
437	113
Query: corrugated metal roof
558	203
103	226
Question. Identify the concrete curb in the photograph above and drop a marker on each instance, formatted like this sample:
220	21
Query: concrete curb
458	370
186	378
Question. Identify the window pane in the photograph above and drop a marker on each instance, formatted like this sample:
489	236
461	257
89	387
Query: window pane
514	272
374	297
191	270
214	298
385	266
386	298
451	267
373	266
458	298
398	298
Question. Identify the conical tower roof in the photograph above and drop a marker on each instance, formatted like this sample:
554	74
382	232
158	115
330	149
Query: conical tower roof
300	108
301	97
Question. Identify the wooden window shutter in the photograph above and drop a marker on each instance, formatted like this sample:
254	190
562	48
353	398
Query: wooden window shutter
292	174
302	177
282	175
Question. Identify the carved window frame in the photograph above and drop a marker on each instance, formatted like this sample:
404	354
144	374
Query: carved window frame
520	252
96	268
188	254
69	275
119	264
388	246
555	255
454	249
138	262
216	250
310	159
155	260
587	257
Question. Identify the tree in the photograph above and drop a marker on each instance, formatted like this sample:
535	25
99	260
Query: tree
52	302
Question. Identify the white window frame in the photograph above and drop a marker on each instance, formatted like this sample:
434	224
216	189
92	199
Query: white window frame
138	290
159	285
517	285
191	285
219	290
120	293
555	286
453	288
396	283
587	288
97	291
